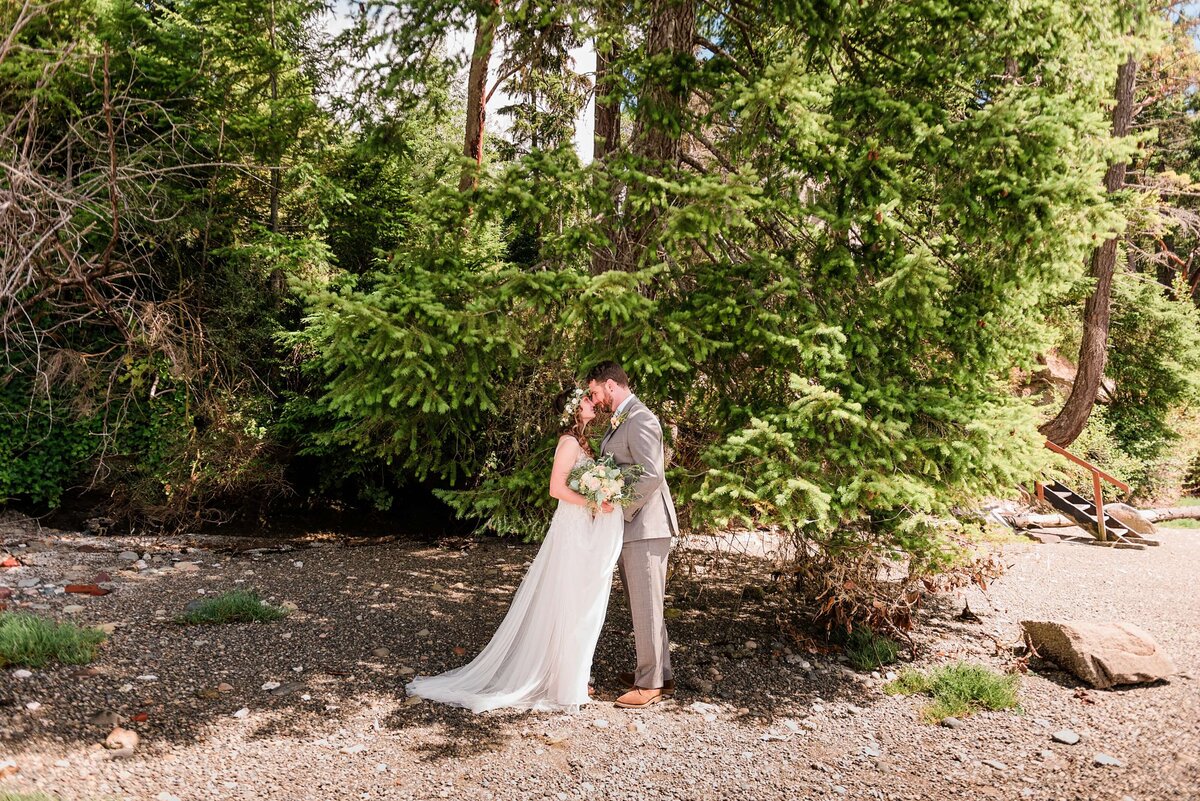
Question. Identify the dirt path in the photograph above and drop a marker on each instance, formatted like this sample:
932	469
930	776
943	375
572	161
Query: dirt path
751	721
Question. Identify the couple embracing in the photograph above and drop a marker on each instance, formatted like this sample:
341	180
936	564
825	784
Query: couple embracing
541	655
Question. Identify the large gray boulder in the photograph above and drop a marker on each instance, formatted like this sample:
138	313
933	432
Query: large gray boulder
1101	654
1131	518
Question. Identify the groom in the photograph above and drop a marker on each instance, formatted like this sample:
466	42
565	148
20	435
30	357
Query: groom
635	437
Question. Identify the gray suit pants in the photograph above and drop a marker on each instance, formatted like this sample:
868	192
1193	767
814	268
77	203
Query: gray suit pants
643	569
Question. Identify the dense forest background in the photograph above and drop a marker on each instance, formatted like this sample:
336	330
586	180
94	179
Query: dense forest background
850	252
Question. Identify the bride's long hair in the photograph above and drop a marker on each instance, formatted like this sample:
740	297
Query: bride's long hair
573	426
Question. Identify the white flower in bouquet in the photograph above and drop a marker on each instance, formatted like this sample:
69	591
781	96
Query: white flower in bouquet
605	481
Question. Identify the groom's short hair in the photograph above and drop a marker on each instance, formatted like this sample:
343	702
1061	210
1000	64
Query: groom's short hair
608	370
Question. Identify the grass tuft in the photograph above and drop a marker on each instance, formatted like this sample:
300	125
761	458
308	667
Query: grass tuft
868	650
958	689
236	606
33	641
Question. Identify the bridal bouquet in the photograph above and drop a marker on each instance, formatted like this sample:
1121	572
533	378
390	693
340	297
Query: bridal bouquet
604	480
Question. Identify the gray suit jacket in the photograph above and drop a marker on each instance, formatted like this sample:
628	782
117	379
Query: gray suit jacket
638	440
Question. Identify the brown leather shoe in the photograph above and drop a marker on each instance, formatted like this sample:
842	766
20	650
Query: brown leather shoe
638	698
626	679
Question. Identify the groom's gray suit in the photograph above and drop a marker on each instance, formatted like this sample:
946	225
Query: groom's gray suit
650	522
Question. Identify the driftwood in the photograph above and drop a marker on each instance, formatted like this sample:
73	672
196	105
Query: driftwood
1035	520
1173	513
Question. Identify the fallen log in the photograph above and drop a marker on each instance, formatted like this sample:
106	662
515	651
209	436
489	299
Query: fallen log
1172	513
1035	520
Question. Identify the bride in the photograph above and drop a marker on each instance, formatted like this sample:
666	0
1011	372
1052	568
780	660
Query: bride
541	655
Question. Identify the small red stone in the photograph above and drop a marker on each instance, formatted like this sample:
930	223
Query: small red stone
87	589
140	717
11	561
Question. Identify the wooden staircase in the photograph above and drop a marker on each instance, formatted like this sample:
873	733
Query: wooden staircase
1090	514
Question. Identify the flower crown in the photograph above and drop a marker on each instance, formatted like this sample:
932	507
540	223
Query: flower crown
572	406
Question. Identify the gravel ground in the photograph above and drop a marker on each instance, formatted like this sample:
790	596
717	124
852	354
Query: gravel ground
752	720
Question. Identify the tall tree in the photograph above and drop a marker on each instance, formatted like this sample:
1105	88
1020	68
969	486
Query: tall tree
486	21
1093	350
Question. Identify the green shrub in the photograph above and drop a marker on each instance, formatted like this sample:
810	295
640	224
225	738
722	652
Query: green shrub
958	689
34	641
236	606
868	650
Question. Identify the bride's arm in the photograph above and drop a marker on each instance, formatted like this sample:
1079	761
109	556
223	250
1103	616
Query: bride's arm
564	459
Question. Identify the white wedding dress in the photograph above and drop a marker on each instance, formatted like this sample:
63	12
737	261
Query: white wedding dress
541	655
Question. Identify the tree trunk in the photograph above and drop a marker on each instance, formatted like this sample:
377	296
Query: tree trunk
607	132
608	107
485	34
657	136
278	278
671	34
1093	352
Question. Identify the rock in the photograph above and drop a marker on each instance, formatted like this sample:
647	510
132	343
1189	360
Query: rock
148	677
1101	654
1131	518
5	593
600	723
406	671
382	653
1065	736
242	713
890	676
21	674
29	582
357	748
187	567
73	609
121	739
141	564
1047	755
951	722
750	645
224	688
8	768
33	706
108	719
289	607
995	764
1104	759
700	685
128	556
270	685
165	796
423	633
637	727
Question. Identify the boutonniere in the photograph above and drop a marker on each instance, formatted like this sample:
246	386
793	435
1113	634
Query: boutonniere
617	419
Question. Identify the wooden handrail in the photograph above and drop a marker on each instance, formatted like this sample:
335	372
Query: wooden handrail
1095	470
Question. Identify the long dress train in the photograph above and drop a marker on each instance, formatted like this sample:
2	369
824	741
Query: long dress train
541	655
